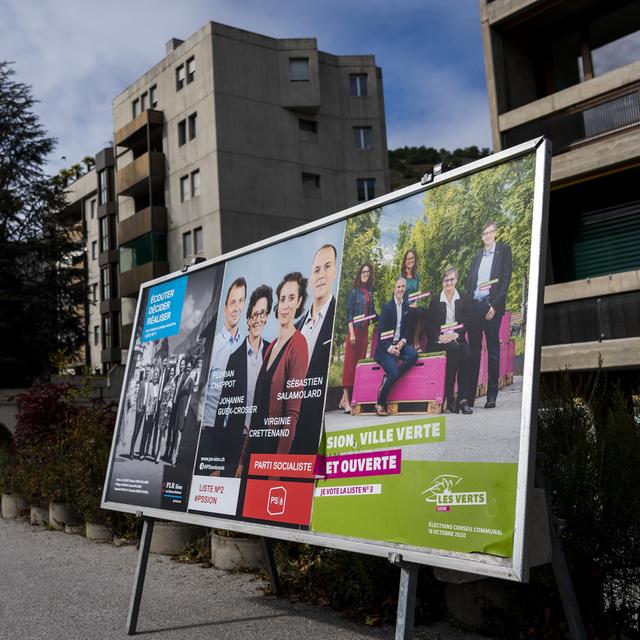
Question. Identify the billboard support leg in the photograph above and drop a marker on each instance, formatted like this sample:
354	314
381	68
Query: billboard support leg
559	563
141	571
272	569
406	596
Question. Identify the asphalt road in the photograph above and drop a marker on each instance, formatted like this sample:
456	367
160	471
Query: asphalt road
61	586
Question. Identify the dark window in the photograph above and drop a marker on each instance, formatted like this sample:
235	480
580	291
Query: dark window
153	96
94	249
191	69
96	335
92	208
358	84
310	185
187	245
195	183
362	138
104	234
105	283
135	108
185	192
308	125
198	246
182	132
106	332
180	77
299	69
193	120
103	186
143	101
366	189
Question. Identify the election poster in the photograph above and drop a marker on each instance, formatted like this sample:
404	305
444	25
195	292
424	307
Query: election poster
159	414
263	411
428	350
366	382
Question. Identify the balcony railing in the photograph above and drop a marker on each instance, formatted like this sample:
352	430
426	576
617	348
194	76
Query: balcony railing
585	122
592	319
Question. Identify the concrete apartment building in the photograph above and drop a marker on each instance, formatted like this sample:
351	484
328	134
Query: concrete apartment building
232	137
571	71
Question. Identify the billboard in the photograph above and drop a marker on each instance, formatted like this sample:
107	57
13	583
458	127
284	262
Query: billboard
365	382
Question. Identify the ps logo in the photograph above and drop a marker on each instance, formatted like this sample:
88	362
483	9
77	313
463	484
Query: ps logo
276	501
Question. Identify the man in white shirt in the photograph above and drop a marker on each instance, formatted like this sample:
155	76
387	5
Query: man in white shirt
224	344
316	325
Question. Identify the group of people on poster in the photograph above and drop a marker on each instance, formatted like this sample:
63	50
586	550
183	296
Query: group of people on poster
454	321
161	396
266	396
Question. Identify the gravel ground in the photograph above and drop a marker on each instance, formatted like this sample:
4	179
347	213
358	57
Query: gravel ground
60	586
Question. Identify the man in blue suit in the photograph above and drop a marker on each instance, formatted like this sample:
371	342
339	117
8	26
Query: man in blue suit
393	353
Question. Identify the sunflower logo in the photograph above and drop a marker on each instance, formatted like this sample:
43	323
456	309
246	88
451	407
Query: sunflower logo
443	483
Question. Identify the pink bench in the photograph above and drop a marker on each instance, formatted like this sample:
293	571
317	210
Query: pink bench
422	383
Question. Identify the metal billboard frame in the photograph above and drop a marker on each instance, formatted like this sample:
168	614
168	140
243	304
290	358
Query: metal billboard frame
514	568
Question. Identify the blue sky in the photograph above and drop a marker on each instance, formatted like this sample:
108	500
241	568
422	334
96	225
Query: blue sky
79	55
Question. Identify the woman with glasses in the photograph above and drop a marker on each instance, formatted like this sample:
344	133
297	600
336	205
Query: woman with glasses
448	326
280	383
237	400
361	310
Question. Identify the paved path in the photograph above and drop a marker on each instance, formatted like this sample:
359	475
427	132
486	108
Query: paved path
59	586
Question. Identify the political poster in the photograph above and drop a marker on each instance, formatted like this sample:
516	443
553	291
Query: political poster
365	382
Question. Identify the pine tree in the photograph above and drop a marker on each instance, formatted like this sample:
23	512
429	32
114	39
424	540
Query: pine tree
40	289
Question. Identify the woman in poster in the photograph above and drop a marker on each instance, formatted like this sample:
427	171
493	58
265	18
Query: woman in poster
416	320
280	384
360	305
449	318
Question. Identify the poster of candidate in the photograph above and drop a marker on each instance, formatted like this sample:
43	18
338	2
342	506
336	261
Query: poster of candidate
428	352
158	420
265	390
366	382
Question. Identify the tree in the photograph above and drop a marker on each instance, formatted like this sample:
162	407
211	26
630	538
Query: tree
40	289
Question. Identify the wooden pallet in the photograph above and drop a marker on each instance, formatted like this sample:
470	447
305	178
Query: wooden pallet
481	390
505	381
398	408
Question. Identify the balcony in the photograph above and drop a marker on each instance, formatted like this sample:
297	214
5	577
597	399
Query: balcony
151	219
582	123
126	136
131	280
131	179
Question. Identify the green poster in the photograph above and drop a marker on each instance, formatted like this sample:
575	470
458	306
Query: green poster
456	506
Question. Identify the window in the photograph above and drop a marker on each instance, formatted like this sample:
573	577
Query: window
103	186
193	120
151	247
195	183
366	189
358	84
135	108
153	96
187	244
198	246
105	234
106	332
94	249
182	132
94	292
184	189
362	138
180	77
308	125
299	69
191	69
92	208
310	185
96	335
105	283
144	101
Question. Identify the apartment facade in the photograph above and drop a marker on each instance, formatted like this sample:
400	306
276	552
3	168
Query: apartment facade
231	138
571	71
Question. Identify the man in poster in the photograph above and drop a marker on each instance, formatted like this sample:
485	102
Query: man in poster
244	363
316	325
488	285
393	353
224	344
